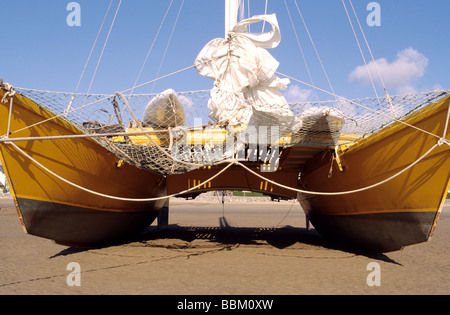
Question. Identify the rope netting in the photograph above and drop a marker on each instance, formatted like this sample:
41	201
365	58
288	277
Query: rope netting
171	132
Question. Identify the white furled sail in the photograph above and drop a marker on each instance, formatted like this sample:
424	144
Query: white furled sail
246	89
165	110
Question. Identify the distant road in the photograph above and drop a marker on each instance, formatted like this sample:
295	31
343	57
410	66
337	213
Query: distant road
6	202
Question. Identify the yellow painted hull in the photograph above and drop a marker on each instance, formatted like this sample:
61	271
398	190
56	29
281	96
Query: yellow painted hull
400	212
51	208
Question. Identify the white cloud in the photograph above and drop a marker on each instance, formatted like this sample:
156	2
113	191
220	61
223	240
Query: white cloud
295	94
399	75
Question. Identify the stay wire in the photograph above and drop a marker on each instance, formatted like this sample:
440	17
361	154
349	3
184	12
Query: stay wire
89	57
168	43
104	46
151	47
301	49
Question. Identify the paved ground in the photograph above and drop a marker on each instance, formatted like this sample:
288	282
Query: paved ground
239	248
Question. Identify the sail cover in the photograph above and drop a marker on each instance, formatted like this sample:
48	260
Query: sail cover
246	89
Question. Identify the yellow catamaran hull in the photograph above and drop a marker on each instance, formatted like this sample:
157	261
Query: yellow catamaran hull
399	212
51	208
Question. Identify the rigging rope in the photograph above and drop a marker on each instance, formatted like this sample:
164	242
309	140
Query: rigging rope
151	47
301	49
265	13
89	57
10	92
440	142
360	105
99	100
115	197
104	46
150	138
373	60
360	49
88	135
231	163
315	49
168	43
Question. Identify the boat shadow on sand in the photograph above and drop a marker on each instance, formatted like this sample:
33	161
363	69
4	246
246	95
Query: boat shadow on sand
226	237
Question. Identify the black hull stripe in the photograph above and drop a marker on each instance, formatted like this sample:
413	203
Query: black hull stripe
81	226
381	232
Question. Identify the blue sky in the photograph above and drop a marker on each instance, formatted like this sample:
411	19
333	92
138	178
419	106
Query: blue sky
39	50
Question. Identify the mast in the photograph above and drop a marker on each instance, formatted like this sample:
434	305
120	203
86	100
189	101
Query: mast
231	15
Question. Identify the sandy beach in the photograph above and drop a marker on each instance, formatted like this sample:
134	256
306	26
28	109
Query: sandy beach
258	248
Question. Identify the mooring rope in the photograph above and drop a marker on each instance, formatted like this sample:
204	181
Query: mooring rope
441	142
115	197
10	93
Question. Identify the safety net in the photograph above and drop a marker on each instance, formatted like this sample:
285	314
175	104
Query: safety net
173	132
